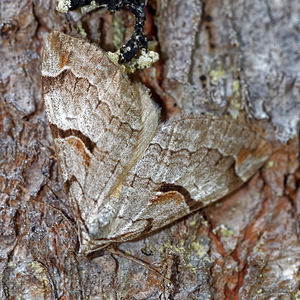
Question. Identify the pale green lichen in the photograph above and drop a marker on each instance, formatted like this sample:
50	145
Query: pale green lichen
209	114
270	164
87	8
145	60
10	264
205	223
199	220
81	31
297	295
193	223
215	76
224	231
63	5
235	103
178	250
260	291
118	35
39	271
236	87
127	252
200	249
235	107
114	56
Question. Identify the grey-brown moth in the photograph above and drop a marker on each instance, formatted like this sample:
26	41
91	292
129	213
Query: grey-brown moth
125	173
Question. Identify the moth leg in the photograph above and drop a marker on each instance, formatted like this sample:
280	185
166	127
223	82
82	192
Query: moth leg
138	39
118	252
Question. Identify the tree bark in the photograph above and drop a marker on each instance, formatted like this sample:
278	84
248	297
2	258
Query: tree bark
235	59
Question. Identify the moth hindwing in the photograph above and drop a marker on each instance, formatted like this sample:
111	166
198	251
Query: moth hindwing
124	173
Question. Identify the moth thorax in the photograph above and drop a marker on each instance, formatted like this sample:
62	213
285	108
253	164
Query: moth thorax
99	222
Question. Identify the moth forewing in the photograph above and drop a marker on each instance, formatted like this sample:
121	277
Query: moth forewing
125	174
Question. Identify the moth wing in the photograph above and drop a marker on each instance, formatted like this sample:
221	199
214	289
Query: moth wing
189	164
101	122
124	175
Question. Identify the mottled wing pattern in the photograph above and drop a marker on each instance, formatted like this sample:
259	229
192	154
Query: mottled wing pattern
189	164
100	121
124	174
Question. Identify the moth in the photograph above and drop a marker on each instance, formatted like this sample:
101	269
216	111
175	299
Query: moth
125	173
138	39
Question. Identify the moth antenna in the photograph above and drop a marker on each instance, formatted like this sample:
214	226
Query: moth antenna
116	251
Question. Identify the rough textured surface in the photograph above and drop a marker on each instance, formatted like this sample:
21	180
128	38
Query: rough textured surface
244	247
233	55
